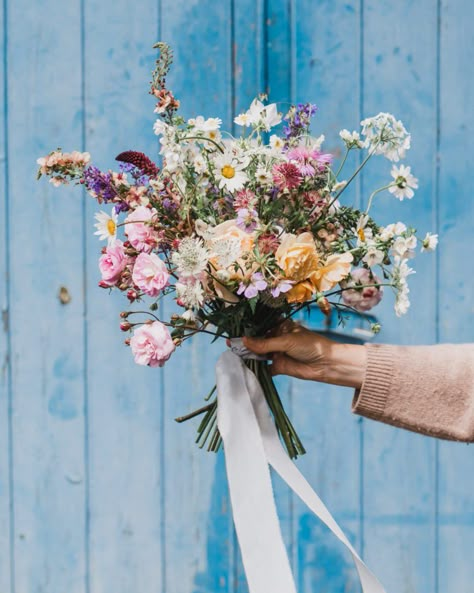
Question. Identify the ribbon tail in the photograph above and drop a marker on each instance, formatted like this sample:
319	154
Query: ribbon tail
282	464
256	521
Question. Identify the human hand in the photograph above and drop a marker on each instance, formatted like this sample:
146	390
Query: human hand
299	352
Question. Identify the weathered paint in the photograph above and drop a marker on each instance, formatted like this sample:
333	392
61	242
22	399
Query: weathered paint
109	493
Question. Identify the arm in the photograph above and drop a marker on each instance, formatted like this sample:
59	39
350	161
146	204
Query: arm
426	389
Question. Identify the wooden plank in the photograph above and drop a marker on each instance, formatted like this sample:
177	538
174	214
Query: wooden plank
399	75
125	401
46	250
326	62
455	280
198	536
5	477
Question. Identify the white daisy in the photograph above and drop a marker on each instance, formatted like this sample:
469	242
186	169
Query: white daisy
391	230
405	182
385	135
229	171
106	226
263	176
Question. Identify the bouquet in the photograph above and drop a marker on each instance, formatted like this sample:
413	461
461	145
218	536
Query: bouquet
242	232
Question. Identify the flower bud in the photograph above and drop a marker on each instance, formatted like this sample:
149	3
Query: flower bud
104	284
153	306
124	314
132	295
324	305
127	342
125	326
177	341
123	286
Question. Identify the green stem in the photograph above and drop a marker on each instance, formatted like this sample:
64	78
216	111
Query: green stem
343	162
195	413
374	193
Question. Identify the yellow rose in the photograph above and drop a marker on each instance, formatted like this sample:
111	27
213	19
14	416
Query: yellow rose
300	293
335	268
297	256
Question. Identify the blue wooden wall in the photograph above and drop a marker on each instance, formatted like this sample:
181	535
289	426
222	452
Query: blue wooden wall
100	491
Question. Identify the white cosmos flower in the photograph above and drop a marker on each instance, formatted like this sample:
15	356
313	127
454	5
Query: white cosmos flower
259	114
205	125
106	226
429	242
405	182
229	171
276	143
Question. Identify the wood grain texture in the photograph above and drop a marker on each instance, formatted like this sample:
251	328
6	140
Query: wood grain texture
5	392
110	494
326	64
399	76
125	445
46	252
455	280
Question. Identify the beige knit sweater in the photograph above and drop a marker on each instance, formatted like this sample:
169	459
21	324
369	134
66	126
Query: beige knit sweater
426	389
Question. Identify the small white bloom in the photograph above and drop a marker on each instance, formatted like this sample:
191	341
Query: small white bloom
316	143
364	233
391	230
429	242
230	172
385	135
106	226
351	139
276	142
404	247
405	182
243	120
259	114
189	316
199	163
191	258
227	250
271	117
223	276
263	176
401	271
160	128
190	293
205	125
338	186
374	256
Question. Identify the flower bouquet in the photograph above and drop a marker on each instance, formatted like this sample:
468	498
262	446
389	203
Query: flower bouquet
242	231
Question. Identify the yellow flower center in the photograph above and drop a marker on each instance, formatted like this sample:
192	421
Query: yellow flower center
361	234
212	134
228	171
111	226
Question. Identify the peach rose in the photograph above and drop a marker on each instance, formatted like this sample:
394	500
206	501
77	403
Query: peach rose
297	256
335	268
301	292
229	230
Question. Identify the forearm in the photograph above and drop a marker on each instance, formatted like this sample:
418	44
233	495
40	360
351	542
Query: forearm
345	365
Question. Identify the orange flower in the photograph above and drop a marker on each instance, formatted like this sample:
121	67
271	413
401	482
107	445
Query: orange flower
297	256
301	292
335	268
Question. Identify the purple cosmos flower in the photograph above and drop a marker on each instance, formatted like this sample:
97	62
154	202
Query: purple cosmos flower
281	287
253	286
247	219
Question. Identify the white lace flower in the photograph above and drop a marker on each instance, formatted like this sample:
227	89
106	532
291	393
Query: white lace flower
405	182
226	250
191	258
106	226
190	293
429	242
385	135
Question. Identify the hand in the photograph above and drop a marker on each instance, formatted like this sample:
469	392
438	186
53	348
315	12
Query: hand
298	352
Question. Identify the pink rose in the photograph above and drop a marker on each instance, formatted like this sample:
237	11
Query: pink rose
150	274
152	344
140	234
362	297
112	263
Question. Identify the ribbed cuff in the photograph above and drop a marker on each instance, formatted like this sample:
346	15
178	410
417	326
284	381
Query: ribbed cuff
371	398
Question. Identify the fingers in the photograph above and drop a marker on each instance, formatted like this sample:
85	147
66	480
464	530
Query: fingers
267	345
285	365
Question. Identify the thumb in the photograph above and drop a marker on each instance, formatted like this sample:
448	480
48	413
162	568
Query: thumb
267	345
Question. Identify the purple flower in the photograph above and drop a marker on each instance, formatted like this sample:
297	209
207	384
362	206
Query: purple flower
99	183
247	219
281	287
298	119
253	286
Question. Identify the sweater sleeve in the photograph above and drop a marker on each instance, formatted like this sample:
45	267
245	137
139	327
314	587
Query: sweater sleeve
426	389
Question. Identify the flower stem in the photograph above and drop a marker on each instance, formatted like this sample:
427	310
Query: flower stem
374	193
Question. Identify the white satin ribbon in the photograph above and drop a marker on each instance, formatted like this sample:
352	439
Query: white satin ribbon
251	444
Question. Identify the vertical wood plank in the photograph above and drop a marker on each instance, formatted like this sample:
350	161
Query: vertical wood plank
399	51
5	481
125	442
456	283
47	337
326	62
198	534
